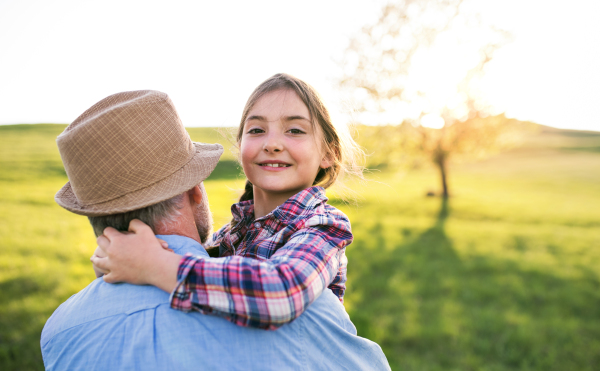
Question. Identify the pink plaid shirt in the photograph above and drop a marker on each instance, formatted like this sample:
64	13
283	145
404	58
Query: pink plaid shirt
272	268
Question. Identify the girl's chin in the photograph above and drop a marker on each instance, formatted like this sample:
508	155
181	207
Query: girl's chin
280	190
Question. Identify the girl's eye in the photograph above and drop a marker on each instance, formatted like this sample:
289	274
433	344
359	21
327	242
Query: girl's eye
296	131
255	131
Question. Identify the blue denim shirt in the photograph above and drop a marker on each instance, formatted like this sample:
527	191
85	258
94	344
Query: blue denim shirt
129	327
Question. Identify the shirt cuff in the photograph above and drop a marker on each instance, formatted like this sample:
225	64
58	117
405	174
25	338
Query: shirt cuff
182	296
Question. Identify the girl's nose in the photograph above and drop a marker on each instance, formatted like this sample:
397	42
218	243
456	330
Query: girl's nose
273	143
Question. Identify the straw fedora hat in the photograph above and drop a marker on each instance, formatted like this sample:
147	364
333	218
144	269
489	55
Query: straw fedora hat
129	151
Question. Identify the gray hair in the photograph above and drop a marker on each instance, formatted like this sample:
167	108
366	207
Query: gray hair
165	211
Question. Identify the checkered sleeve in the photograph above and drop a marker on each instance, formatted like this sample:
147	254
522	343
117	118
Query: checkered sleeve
267	293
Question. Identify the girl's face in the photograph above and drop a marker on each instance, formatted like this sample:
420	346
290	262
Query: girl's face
281	153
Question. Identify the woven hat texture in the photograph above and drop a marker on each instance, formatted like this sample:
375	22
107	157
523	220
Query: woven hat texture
129	151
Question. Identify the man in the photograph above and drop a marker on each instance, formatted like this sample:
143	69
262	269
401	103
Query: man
129	157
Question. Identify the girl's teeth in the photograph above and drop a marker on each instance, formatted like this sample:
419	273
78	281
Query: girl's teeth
275	165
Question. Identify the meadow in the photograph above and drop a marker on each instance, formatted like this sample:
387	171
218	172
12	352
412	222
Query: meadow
503	275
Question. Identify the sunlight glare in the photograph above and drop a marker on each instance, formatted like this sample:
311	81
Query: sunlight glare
432	121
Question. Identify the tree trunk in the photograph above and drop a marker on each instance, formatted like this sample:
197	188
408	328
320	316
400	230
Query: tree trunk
440	161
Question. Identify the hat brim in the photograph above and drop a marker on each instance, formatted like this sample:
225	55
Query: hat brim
191	174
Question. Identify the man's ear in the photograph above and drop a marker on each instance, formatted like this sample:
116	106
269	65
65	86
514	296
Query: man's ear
196	194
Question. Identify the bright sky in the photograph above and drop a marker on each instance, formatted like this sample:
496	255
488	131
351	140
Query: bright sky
59	57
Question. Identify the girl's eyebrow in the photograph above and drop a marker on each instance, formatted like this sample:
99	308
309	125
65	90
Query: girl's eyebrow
297	117
256	117
286	118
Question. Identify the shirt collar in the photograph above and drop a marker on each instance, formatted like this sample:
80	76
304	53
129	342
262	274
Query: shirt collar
183	245
306	199
243	210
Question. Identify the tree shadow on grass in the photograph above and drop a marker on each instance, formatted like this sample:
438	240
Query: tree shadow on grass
430	310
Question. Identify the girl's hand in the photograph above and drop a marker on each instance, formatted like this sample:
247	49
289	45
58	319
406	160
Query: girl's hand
136	257
99	253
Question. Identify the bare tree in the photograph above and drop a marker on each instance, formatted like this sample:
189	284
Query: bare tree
419	68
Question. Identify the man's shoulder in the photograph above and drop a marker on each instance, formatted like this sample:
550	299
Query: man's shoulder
100	300
139	323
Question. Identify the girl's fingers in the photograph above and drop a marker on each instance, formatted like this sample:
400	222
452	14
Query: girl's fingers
110	233
96	268
164	245
99	252
137	226
103	243
100	263
99	272
108	278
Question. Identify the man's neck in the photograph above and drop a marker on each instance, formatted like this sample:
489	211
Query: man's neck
183	225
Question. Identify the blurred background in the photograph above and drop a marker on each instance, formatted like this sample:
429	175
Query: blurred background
477	243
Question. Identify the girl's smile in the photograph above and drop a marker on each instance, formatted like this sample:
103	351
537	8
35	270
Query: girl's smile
281	149
274	165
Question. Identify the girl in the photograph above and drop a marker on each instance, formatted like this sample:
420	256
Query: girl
285	244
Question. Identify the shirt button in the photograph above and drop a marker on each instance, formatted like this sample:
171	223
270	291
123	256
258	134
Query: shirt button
257	225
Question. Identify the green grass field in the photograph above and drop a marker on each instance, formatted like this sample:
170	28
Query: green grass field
505	275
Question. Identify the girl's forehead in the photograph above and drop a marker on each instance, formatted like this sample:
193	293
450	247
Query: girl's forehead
281	102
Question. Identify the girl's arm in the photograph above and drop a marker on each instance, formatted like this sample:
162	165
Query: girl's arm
138	257
250	292
269	293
